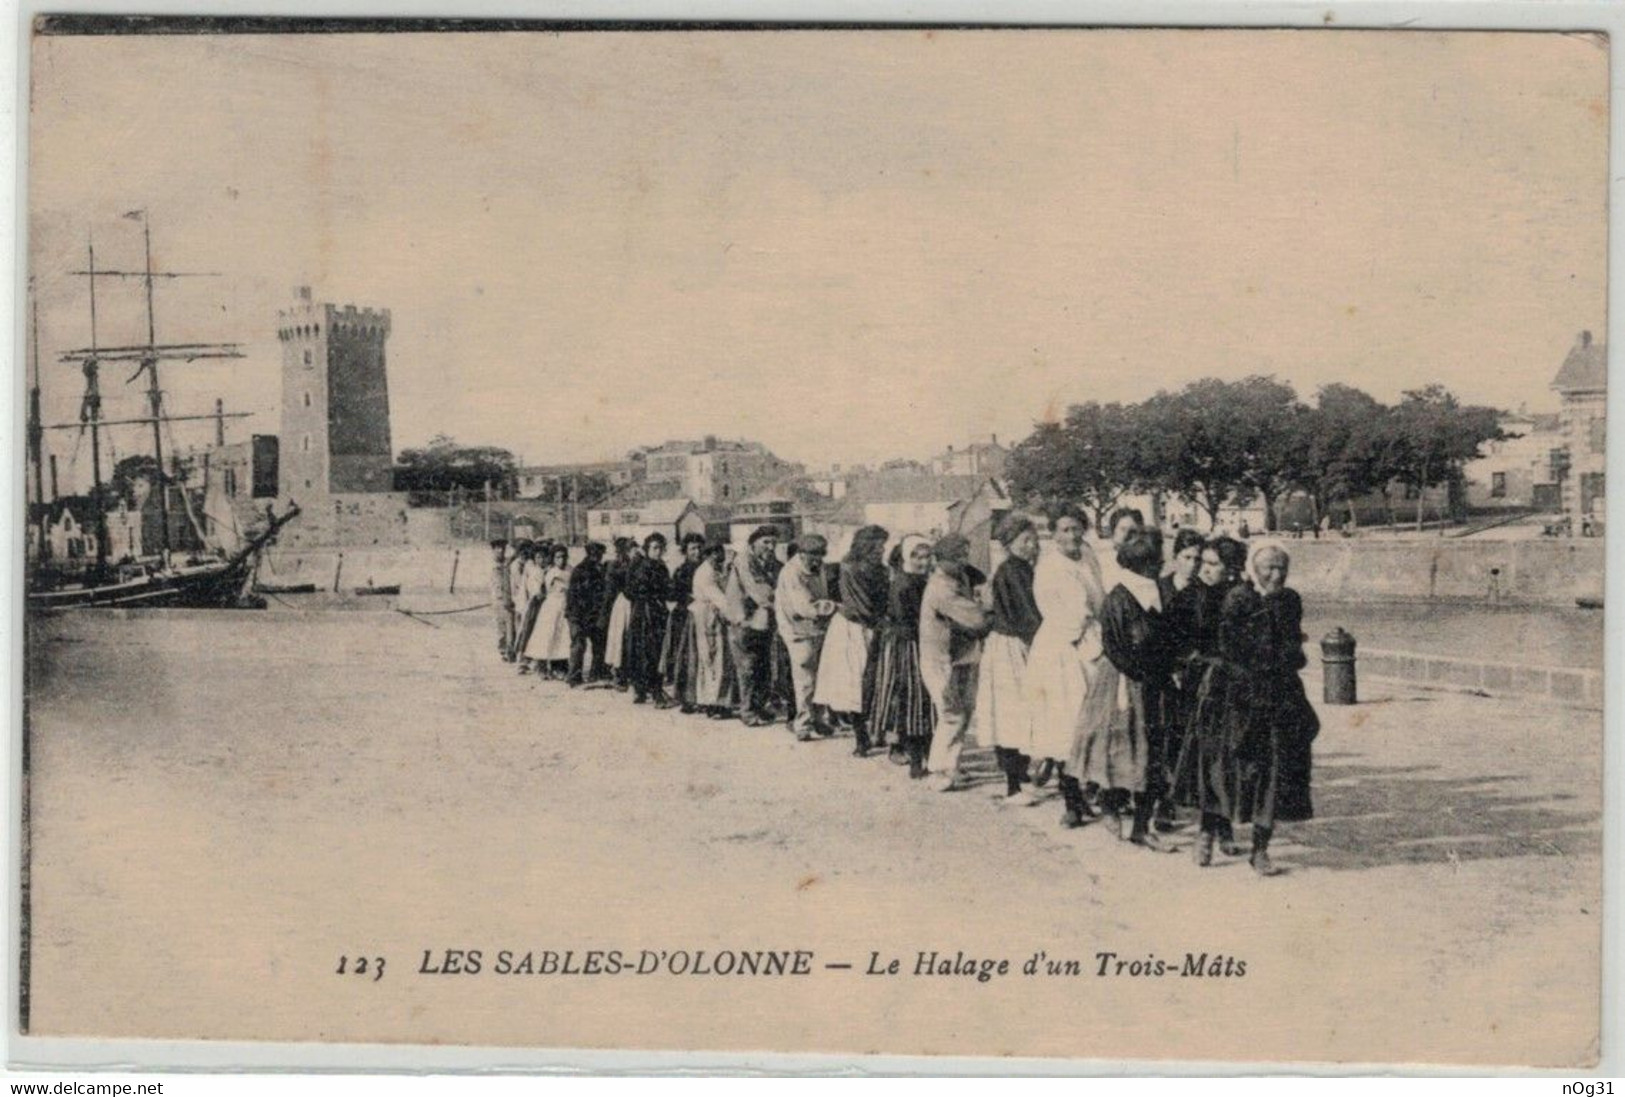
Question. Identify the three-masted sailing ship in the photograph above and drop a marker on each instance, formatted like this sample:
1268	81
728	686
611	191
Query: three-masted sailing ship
211	577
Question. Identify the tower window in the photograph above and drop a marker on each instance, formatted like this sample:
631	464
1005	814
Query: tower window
307	399
309	360
305	444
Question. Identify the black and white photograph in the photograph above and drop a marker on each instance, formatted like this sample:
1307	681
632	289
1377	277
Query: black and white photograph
1050	543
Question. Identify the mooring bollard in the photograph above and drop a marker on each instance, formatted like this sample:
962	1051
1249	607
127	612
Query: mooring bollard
1337	662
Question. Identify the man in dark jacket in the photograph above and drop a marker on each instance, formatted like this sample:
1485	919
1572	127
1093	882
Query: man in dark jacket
583	609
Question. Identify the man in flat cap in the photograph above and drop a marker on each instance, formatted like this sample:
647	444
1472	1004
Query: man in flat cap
952	624
804	609
749	596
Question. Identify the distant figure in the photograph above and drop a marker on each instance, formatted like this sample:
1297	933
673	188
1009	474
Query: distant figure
648	589
952	624
679	663
502	598
803	608
549	644
583	609
751	584
1261	630
530	588
715	686
1129	758
1004	715
1066	659
903	709
1203	776
618	608
846	664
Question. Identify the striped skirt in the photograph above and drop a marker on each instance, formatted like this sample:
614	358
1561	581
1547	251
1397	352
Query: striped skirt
902	705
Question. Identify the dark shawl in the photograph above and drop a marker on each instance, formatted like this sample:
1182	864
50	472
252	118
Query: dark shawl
1015	611
584	598
903	605
682	584
864	588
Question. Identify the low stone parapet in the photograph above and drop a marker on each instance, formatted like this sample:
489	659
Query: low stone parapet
1569	686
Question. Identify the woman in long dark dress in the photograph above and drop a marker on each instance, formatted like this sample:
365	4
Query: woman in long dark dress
1205	777
680	660
1261	630
903	708
648	588
1130	760
1179	590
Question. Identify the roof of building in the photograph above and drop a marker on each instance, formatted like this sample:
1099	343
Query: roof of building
584	467
1585	369
788	489
916	488
640	494
664	511
975	447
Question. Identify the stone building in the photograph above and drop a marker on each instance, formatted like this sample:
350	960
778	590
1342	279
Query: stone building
713	471
335	399
977	459
1521	471
334	455
1582	383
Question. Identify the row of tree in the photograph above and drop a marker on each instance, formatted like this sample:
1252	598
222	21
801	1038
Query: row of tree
1215	443
445	471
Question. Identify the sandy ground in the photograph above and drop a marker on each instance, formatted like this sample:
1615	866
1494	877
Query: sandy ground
225	805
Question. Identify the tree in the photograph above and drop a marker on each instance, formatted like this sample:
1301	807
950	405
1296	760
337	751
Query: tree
1202	444
443	466
1436	435
1275	432
1349	451
1092	459
121	485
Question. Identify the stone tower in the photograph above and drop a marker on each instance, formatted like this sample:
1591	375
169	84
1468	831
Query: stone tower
335	400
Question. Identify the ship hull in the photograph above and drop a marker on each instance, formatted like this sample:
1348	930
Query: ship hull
205	586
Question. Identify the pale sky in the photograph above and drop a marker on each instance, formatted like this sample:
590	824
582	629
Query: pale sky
849	246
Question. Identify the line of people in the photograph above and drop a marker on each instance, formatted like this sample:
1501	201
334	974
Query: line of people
1155	696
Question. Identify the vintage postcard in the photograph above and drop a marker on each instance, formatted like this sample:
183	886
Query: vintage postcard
1058	543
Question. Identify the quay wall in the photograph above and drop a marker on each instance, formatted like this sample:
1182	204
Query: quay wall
1510	573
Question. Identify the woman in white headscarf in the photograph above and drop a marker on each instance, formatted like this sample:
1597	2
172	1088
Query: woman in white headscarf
1067	669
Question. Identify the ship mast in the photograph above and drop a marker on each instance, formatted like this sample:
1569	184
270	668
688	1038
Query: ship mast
92	408
36	438
147	356
154	393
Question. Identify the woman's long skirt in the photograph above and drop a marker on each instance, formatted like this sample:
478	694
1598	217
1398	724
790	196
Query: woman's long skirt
550	639
1206	776
843	665
1004	715
902	706
615	638
645	641
527	628
1273	758
680	660
1120	755
715	682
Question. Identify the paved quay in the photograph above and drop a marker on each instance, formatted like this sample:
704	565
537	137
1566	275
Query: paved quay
225	804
